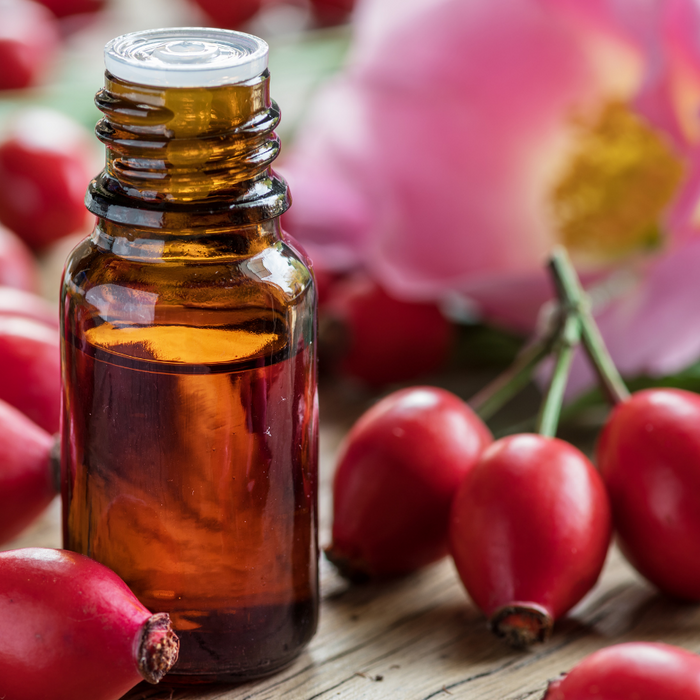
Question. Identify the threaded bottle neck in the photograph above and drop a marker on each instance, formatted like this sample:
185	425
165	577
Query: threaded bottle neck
188	157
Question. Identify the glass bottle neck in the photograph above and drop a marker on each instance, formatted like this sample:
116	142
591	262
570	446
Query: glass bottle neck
146	244
188	158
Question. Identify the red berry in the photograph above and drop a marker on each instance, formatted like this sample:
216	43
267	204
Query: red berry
45	167
72	629
379	339
29	41
229	14
331	12
649	457
64	8
26	479
15	302
529	532
30	375
18	267
326	281
399	468
632	671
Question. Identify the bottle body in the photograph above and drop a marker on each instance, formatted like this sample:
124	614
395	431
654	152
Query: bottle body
189	438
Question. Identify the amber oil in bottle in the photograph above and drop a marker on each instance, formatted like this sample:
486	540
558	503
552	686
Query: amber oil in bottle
189	435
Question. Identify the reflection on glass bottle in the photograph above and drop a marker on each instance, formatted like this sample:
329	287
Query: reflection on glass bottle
189	447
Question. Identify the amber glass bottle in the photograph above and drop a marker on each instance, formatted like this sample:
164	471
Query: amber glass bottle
189	439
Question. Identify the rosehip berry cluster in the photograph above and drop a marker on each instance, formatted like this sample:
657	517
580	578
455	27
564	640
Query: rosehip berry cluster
530	517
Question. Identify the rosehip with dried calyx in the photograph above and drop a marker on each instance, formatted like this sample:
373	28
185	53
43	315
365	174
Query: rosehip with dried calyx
632	671
70	628
27	482
530	525
398	471
529	532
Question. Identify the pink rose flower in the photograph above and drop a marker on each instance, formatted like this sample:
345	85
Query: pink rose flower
465	139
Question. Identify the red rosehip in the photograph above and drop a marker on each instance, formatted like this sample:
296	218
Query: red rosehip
18	267
15	302
229	14
65	8
46	164
649	457
529	532
29	40
632	671
378	339
72	629
30	374
326	281
398	470
26	478
332	12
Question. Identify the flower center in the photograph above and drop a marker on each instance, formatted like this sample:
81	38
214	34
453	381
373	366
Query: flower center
609	200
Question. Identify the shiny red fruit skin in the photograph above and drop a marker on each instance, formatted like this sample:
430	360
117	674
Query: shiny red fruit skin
30	373
18	268
398	471
632	671
331	12
530	524
70	628
390	340
229	14
15	302
649	456
29	41
43	181
26	481
65	8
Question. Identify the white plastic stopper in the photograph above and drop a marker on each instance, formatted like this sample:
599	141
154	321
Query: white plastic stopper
186	57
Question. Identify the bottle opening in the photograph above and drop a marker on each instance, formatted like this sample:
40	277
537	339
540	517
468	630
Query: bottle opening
186	57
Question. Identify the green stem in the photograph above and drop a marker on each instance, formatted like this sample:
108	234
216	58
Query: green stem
494	395
574	299
570	337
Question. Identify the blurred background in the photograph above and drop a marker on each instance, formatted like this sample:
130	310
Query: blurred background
436	151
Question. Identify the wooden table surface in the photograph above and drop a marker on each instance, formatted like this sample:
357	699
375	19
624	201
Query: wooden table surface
421	637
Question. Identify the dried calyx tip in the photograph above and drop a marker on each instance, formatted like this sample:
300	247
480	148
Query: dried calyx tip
522	624
159	648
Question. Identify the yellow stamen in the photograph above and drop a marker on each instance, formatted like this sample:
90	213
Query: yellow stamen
610	198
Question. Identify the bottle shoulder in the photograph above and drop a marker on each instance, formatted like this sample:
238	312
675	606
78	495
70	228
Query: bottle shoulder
278	270
200	312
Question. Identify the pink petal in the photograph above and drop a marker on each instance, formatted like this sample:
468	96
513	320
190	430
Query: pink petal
653	330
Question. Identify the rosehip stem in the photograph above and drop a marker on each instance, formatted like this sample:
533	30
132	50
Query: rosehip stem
570	337
574	300
497	393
